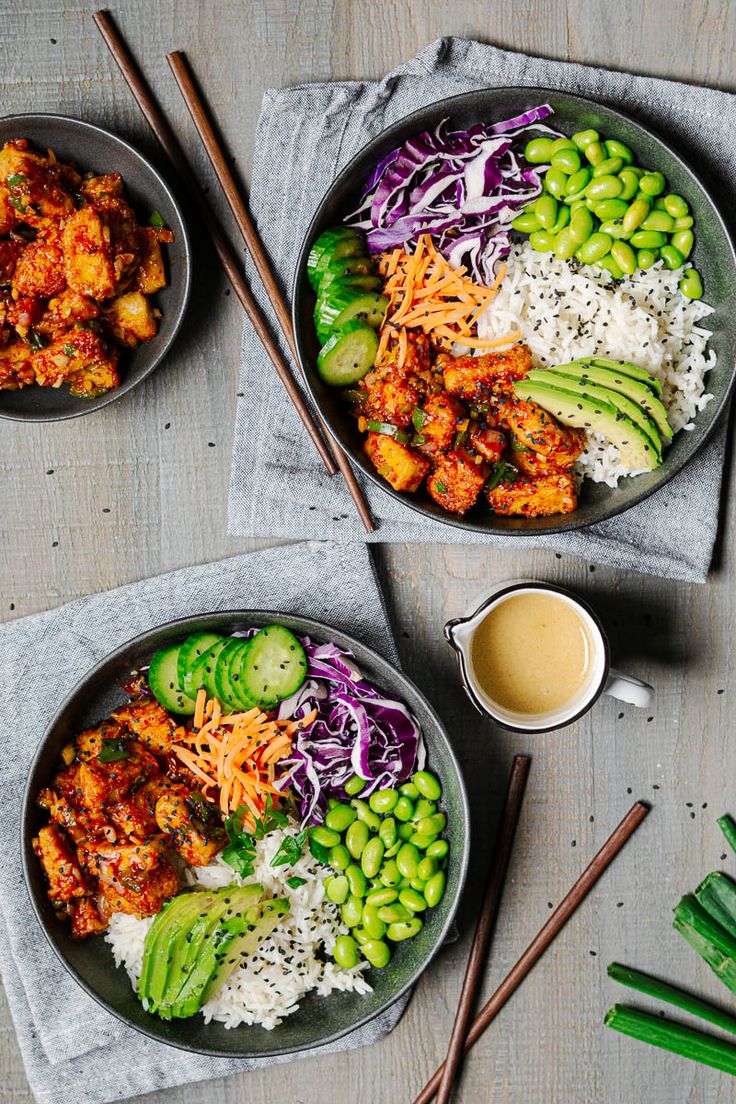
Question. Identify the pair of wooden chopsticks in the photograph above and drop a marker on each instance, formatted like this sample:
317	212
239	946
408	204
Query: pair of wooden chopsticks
465	1033
163	132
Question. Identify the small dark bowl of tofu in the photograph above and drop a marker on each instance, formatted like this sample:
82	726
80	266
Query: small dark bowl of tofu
95	267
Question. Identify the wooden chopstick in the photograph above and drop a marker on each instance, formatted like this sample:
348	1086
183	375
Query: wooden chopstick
545	936
190	94
485	924
158	123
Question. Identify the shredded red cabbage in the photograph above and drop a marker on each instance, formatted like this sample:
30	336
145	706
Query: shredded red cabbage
356	731
463	187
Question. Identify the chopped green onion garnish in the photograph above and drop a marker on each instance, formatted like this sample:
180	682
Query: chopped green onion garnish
35	339
156	220
418	419
441	487
15	179
386	428
294	883
501	472
114	749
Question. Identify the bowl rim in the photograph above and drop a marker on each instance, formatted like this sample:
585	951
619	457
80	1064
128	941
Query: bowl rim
715	411
186	255
179	626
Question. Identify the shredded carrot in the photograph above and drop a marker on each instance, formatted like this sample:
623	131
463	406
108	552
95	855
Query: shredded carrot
235	755
426	293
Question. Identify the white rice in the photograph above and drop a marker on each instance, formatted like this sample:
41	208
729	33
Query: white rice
566	312
290	963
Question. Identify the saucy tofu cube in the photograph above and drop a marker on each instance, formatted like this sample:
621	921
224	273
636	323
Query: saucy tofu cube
135	878
131	319
60	865
537	430
490	443
540	496
15	366
39	270
80	357
88	259
444	417
196	845
457	480
401	466
86	919
65	310
149	722
474	377
151	276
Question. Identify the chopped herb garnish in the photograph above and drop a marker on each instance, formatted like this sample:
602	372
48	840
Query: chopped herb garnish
70	351
113	749
516	446
459	438
294	883
240	853
35	339
441	487
501	472
290	850
418	419
17	203
156	220
15	179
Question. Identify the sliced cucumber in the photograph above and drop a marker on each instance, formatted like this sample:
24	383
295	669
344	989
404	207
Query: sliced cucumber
228	689
348	354
193	647
203	671
340	241
345	267
276	666
164	681
332	312
236	661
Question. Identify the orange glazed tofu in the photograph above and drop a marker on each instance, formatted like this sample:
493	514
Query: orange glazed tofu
15	366
64	876
444	417
403	467
39	270
540	496
537	430
131	319
75	356
474	377
88	261
457	480
151	276
150	723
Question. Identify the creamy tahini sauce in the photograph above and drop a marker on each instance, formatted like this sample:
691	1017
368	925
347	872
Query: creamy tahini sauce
531	653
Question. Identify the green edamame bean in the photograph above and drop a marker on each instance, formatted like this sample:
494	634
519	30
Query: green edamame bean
397	933
337	889
583	138
614	148
389	874
609	209
683	240
339	858
595	152
377	953
659	220
356	838
648	239
383	801
424	808
527	222
691	285
597	245
563	144
555	181
568	160
577	183
345	952
412	900
421	841
542	241
432	825
403	809
356	880
435	888
609	166
658	204
393	914
614	229
379	897
340	818
684	223
372	857
393	849
387	832
637	171
332	802
404	831
427	867
624	256
604	187
676	206
418	884
438	850
581	225
630	182
354	785
672	257
361	936
645	258
635	215
575	204
565	245
408	860
609	264
408	789
546	211
563	218
539	151
325	837
352	912
652	184
366	814
374	926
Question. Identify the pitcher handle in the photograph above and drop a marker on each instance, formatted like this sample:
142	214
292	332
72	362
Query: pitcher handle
629	689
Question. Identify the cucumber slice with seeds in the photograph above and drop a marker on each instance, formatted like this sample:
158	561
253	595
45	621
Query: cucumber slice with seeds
348	354
276	666
203	672
333	312
343	268
193	647
164	681
332	245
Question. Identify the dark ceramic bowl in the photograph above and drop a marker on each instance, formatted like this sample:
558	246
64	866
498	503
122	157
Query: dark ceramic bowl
713	255
319	1019
92	148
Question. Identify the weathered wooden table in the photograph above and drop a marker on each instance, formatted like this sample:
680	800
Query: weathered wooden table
137	489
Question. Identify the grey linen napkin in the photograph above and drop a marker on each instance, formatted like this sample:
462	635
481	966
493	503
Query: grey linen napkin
305	135
74	1051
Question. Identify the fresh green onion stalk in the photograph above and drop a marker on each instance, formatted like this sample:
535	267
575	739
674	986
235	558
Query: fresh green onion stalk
674	1037
712	942
662	990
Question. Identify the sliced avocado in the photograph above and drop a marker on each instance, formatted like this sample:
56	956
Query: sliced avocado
162	940
637	451
635	389
191	997
585	386
223	905
245	942
628	369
